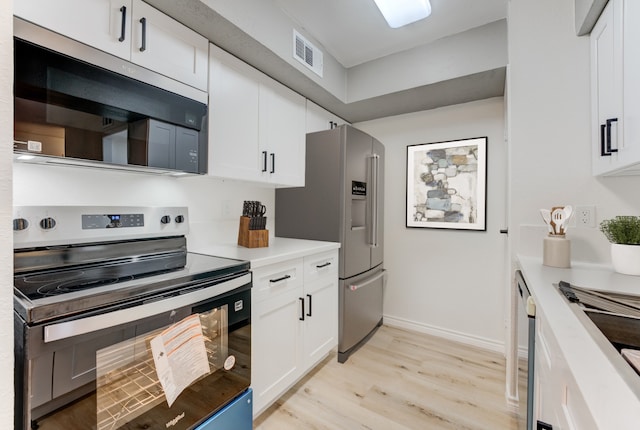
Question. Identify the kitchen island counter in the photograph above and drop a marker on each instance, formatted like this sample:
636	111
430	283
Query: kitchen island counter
280	249
610	396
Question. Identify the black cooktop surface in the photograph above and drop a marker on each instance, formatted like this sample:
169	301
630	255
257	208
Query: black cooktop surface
52	294
54	282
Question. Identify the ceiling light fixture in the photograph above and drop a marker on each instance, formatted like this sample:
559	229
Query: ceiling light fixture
403	12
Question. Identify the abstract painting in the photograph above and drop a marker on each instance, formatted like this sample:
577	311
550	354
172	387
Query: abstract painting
446	184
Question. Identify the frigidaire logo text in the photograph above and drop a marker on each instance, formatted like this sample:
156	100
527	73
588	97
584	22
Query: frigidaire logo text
174	421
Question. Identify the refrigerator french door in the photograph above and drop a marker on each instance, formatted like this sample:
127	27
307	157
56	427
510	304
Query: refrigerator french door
342	201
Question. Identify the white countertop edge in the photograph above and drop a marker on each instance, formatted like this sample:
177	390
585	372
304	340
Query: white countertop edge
280	249
612	401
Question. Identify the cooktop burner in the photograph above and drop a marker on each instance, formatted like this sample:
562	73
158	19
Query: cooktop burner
79	260
56	282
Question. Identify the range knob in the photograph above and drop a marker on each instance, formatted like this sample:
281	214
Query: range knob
47	223
165	219
20	224
179	219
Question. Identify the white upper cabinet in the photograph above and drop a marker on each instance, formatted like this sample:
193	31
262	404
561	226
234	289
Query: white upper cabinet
103	24
256	125
117	27
319	119
615	90
282	132
162	44
234	95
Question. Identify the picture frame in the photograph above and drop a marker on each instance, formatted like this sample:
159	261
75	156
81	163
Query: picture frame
447	184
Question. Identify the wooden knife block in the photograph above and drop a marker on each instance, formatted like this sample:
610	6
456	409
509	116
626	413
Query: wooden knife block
251	238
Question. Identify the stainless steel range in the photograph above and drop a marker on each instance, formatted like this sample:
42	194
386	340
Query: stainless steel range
118	326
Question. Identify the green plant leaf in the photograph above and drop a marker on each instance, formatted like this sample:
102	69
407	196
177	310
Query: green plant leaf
622	229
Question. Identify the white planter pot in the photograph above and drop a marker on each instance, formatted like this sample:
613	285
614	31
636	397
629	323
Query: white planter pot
626	259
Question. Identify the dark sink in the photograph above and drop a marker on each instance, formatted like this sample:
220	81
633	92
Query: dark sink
612	320
622	331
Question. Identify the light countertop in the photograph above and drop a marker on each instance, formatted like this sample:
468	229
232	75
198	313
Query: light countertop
612	396
279	249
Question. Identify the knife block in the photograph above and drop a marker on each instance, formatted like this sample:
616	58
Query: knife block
251	238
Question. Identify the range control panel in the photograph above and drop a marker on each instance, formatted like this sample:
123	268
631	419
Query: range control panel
66	225
112	221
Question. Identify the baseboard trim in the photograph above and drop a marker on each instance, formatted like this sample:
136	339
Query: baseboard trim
456	336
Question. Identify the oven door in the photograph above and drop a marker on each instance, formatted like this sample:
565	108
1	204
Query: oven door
165	367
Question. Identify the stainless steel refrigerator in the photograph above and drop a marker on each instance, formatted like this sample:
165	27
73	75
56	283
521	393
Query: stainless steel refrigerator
342	201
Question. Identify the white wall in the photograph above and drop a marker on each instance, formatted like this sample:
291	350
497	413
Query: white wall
476	50
6	234
550	137
215	205
550	141
448	282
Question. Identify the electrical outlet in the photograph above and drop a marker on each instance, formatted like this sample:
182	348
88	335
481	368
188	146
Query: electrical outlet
585	216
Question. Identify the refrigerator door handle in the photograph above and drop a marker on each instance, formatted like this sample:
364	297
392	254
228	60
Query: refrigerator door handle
373	207
354	287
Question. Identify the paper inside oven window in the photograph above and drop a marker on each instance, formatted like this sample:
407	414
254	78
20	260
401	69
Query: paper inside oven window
180	356
127	380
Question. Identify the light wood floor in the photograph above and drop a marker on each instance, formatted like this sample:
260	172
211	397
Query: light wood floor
399	380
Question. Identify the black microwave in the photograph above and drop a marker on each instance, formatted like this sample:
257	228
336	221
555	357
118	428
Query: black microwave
68	108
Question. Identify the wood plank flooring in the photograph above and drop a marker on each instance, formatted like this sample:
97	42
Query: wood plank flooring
399	380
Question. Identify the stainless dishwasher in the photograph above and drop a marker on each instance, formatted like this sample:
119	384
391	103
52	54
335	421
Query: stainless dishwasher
529	307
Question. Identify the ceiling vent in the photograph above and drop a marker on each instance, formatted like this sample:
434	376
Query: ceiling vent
305	52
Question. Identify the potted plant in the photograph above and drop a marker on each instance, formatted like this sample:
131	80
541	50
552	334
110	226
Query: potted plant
624	234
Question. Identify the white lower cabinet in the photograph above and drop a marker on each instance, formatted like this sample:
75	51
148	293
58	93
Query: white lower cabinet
558	400
294	322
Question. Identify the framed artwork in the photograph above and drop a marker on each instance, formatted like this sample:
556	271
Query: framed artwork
447	184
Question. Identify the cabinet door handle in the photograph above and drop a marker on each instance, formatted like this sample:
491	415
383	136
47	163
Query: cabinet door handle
273	163
123	9
264	161
279	279
603	147
320	266
609	122
143	21
301	318
310	305
605	138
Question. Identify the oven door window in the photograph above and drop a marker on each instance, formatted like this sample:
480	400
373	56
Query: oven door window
131	383
126	392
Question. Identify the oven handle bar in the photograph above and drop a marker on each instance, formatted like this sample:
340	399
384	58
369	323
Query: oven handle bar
80	326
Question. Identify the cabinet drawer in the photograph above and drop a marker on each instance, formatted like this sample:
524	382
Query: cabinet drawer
317	266
276	279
